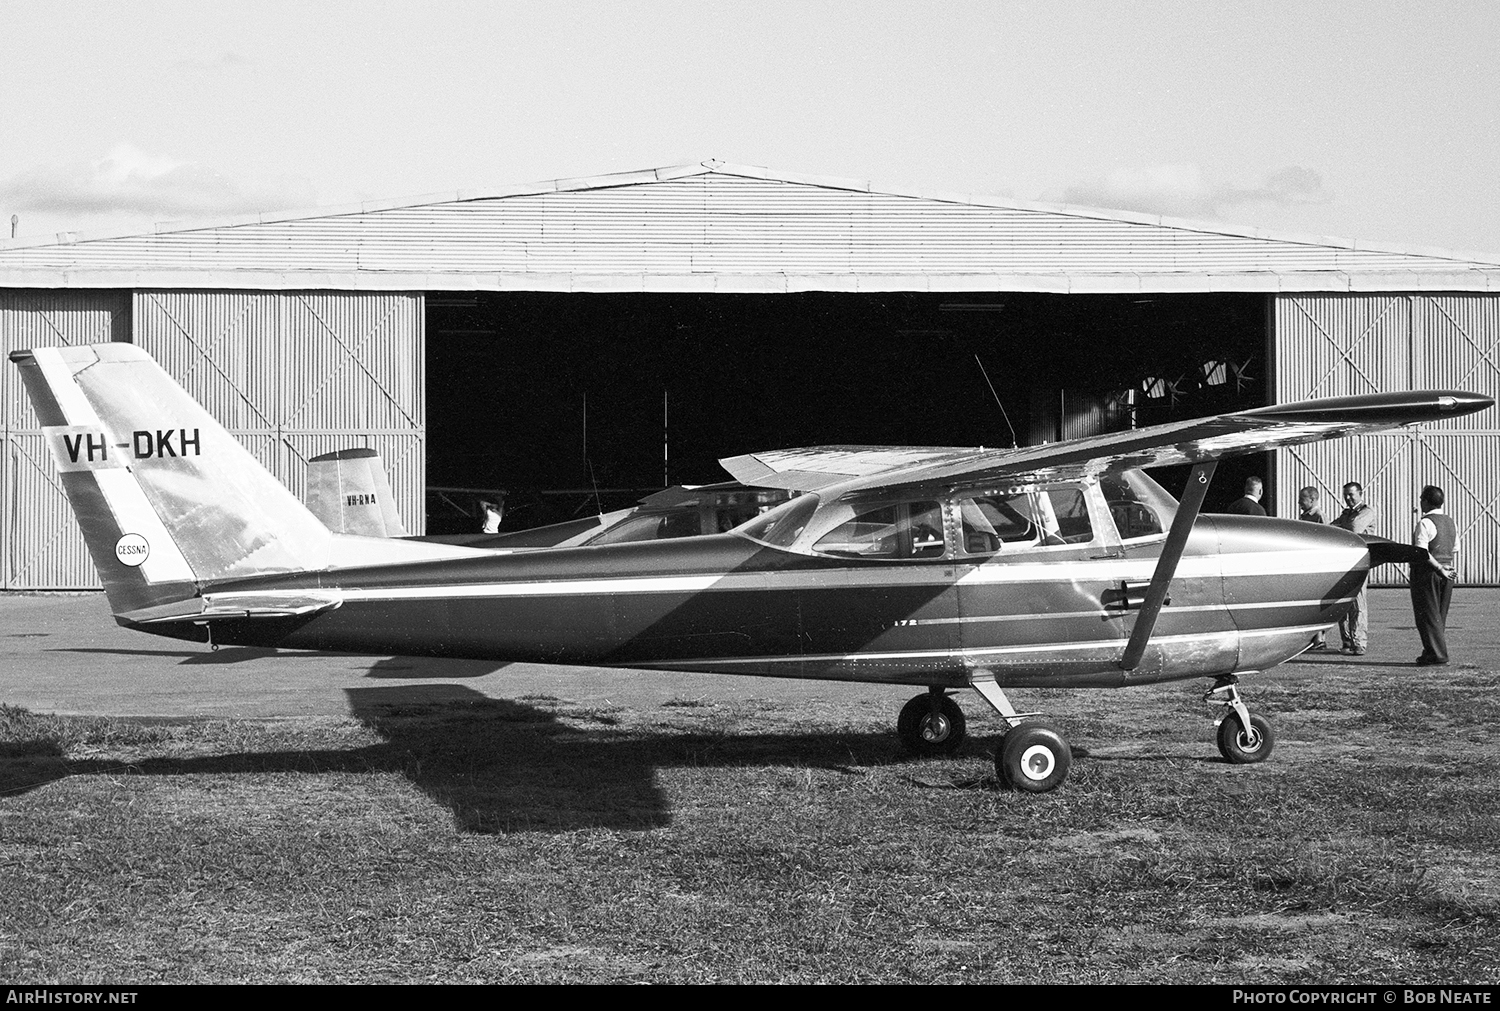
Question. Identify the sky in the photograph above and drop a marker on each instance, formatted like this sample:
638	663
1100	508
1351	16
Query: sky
1373	121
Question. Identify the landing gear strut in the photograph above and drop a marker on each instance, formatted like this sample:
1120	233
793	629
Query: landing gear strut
1243	738
931	724
1034	755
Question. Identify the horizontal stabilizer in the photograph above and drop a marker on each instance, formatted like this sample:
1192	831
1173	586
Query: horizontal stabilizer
219	606
1384	551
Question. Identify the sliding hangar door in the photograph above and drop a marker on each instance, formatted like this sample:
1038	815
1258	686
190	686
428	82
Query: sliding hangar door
575	391
40	545
290	374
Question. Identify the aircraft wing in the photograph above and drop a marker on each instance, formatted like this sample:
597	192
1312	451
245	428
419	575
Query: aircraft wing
820	466
1197	440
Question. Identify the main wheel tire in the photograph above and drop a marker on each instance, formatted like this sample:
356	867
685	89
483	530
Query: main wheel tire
927	733
1034	757
1241	748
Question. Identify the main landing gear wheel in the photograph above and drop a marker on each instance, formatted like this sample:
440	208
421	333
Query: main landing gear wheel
1242	747
1034	757
930	725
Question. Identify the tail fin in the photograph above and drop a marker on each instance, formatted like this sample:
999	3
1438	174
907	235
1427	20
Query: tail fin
167	498
350	493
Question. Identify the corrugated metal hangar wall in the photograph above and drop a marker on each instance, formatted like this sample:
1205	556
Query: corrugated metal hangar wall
292	374
1332	345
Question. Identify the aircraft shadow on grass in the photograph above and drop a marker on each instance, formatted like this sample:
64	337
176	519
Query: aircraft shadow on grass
501	765
385	667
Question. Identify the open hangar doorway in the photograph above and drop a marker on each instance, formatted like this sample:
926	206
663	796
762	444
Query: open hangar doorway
579	402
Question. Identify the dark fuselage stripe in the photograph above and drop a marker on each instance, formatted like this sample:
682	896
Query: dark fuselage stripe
961	654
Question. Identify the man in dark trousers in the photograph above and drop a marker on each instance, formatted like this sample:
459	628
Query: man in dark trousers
1432	577
1248	504
1307	504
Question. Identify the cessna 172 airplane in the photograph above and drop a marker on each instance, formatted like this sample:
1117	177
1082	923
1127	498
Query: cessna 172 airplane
1059	565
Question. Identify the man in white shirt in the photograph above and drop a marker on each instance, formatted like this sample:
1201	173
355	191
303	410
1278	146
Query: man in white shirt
1357	518
1432	577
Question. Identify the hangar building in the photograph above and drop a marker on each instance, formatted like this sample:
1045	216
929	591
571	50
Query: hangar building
622	332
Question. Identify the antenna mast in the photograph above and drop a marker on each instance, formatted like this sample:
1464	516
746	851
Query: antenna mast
1014	444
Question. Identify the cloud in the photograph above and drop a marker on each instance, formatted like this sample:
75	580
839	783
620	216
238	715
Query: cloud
1183	191
131	181
224	61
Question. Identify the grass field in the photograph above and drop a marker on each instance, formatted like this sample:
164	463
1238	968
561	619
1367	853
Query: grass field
536	840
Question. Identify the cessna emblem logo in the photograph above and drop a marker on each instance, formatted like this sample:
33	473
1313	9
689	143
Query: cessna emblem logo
132	549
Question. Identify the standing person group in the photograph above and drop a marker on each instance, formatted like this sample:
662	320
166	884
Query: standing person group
1434	567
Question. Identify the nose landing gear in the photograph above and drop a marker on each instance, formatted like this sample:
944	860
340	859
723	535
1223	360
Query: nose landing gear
1243	739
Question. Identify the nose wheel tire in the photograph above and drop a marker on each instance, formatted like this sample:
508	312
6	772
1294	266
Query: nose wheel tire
928	731
1242	747
1034	757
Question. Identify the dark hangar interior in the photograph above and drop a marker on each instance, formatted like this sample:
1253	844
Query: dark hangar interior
581	401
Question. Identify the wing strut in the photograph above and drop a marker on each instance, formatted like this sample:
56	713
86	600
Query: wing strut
1166	565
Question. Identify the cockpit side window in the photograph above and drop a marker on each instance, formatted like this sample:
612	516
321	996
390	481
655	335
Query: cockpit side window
887	530
989	520
1070	514
1048	518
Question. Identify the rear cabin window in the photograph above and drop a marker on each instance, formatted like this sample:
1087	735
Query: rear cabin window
899	530
652	527
781	526
1051	518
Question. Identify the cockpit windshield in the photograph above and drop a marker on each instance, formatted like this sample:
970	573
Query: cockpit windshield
1140	506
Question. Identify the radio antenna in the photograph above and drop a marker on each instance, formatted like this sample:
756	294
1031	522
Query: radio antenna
1014	444
598	502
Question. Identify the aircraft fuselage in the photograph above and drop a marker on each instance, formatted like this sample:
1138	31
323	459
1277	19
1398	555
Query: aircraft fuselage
1247	595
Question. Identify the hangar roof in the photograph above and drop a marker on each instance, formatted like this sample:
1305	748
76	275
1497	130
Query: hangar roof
712	227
